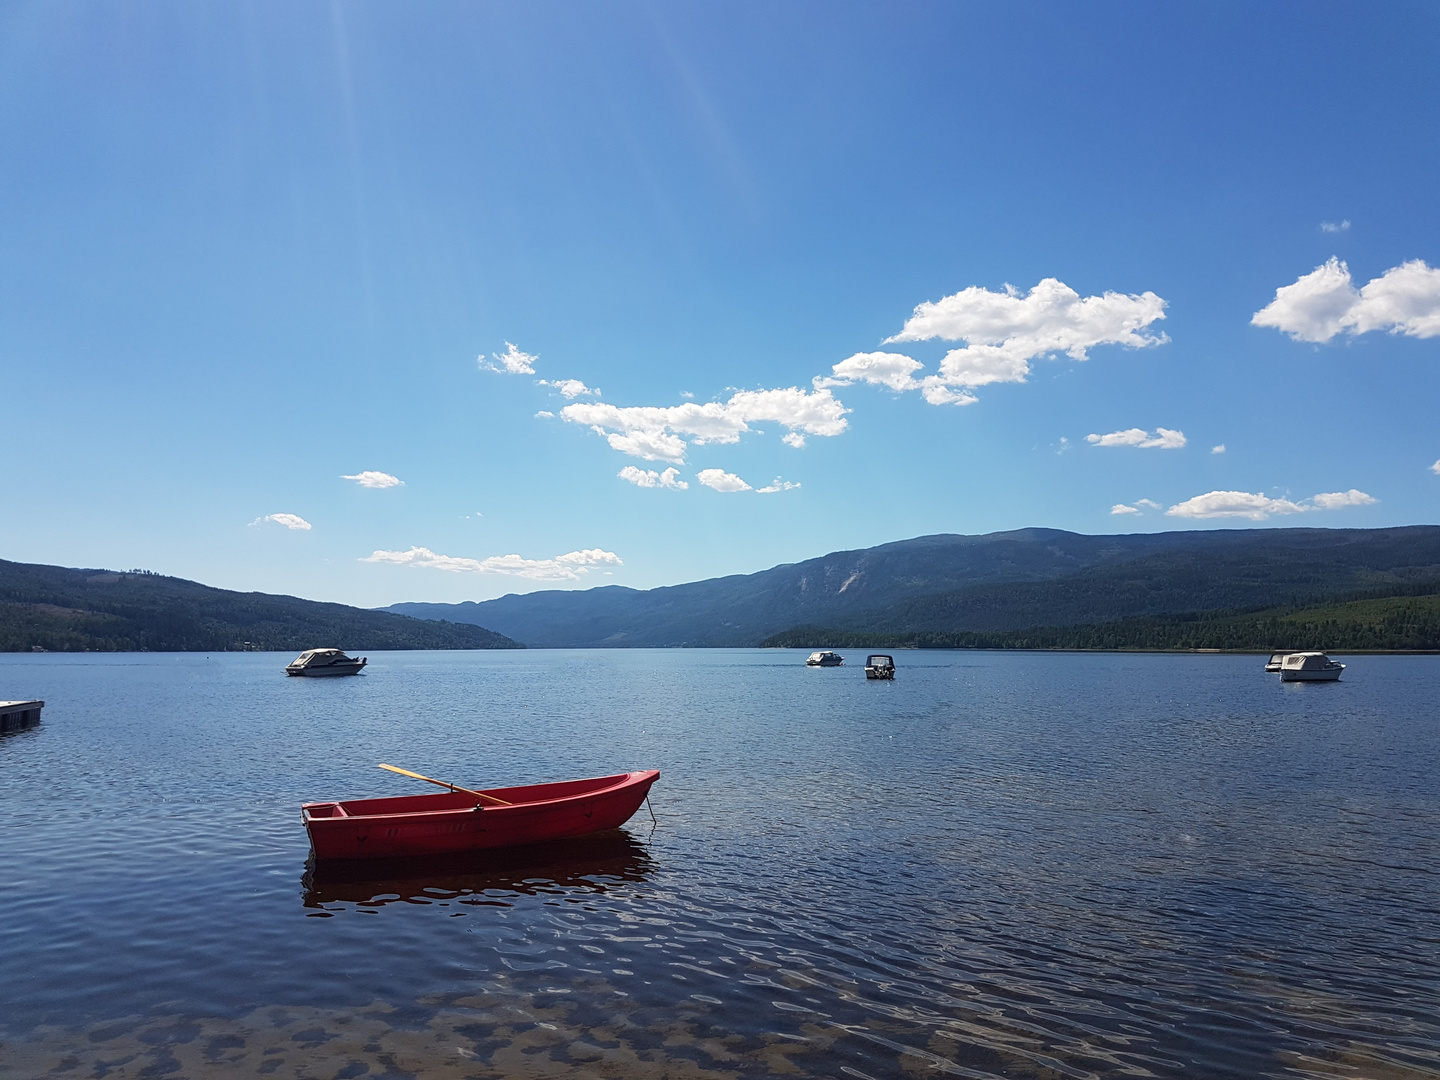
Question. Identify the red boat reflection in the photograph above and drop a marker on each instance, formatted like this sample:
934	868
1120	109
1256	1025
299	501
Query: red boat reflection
457	821
496	878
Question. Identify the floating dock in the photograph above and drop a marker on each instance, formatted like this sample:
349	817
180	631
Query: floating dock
15	715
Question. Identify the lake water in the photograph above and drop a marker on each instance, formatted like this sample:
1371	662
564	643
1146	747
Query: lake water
1002	864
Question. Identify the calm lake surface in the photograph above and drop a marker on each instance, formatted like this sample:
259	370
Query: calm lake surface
1002	864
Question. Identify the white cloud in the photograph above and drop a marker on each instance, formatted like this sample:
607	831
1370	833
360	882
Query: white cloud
1123	508
934	390
1435	468
568	567
649	478
544	415
647	445
511	362
1337	500
777	485
894	370
1323	303
372	479
1244	504
1241	504
1332	227
290	521
721	480
1163	439
654	433
1219	448
794	439
570	388
1003	332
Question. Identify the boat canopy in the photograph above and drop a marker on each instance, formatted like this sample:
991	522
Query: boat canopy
1305	661
319	654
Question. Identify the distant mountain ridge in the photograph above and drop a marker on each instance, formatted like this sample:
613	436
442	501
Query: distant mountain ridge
953	583
64	610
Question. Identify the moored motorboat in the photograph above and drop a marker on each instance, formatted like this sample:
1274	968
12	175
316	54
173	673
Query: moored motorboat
824	658
325	662
1309	667
1276	659
879	666
463	820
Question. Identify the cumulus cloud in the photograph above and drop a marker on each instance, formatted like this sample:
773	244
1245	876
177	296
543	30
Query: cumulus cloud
777	485
1323	303
721	480
1255	507
1333	227
1337	500
290	521
544	415
649	478
659	433
1003	332
1121	508
372	479
511	362
1163	439
567	567
894	370
1435	468
570	388
1218	448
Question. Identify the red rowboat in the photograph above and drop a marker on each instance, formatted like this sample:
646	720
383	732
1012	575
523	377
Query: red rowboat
455	821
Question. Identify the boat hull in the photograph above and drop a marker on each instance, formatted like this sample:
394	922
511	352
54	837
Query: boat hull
1323	675
449	823
327	670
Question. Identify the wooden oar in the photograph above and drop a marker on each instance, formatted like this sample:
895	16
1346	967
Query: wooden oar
446	784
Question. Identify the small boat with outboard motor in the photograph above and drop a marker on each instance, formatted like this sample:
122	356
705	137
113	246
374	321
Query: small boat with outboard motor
461	819
879	666
325	662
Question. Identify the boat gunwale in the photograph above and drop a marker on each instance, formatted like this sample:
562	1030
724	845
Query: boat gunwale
628	779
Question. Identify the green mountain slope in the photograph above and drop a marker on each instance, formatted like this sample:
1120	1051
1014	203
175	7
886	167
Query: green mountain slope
949	584
62	610
1407	622
1171	581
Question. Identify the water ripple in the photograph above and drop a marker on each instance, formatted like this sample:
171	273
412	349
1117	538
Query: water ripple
1047	866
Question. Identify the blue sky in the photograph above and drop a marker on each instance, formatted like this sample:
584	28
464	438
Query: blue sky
248	251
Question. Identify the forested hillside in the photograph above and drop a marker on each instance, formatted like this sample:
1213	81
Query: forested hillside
1394	623
957	584
62	610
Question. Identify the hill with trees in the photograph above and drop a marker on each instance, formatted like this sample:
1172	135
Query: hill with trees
63	610
1000	582
1403	623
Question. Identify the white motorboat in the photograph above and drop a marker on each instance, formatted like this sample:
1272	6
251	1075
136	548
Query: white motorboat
325	662
825	658
1309	667
1276	658
879	666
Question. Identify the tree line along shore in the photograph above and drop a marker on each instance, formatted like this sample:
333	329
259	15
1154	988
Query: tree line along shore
1405	623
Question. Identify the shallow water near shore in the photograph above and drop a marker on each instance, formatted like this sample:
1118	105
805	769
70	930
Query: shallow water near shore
1001	864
